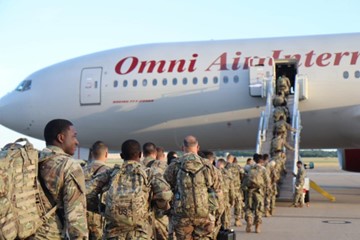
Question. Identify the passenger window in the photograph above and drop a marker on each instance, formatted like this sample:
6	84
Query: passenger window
125	83
346	74
184	81
174	81
134	83
154	82
116	83
357	74
195	80
236	79
205	80
24	86
144	82
215	80
226	79
164	81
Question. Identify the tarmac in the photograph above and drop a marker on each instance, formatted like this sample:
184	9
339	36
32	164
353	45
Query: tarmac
339	220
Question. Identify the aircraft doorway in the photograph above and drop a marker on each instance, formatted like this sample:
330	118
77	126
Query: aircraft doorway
90	86
287	67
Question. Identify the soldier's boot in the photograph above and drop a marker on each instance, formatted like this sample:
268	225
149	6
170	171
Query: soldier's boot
272	211
267	213
257	228
238	222
248	227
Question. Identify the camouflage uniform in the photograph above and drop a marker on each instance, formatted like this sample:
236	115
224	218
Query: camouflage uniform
95	220
146	161
218	206
161	196
254	202
190	227
228	190
161	220
283	84
65	185
271	191
279	100
277	145
299	186
236	173
281	127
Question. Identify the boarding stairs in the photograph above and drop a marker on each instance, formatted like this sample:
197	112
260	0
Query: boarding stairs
265	132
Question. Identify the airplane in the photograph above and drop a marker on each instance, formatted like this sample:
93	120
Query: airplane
163	92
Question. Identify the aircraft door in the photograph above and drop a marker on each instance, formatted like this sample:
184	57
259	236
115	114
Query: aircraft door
90	86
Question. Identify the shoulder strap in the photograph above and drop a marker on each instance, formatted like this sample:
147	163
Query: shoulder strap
98	169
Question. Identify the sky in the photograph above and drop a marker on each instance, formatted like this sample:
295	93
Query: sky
38	33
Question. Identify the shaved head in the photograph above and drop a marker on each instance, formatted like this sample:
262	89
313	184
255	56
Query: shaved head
191	144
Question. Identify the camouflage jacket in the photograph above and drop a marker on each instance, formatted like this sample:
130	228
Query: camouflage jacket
228	186
65	186
95	220
160	195
300	177
236	173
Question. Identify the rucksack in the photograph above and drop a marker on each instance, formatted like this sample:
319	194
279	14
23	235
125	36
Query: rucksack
192	186
282	82
22	211
255	178
127	200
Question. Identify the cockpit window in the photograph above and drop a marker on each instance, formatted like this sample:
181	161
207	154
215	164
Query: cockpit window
24	86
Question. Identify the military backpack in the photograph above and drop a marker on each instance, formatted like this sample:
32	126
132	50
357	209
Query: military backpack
255	178
127	200
22	211
193	194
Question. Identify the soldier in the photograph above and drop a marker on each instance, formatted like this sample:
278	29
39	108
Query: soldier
283	85
281	127
96	165
254	184
128	202
279	99
299	185
228	191
192	179
217	206
277	145
161	223
236	173
270	193
63	183
150	153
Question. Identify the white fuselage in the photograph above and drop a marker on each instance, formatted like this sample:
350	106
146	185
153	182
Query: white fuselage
90	92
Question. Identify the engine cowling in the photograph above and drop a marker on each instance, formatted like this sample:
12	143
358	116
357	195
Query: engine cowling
349	159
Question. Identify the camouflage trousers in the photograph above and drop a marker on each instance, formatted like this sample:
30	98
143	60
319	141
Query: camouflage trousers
238	205
270	197
298	195
226	216
193	228
254	206
94	226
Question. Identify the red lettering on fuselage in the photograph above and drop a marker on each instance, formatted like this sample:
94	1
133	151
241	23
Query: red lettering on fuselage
227	61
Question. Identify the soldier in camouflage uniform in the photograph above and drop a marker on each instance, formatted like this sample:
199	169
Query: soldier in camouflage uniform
255	187
150	154
161	219
193	219
299	185
217	206
283	85
63	183
236	173
281	127
153	182
270	194
228	191
96	165
279	100
277	145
